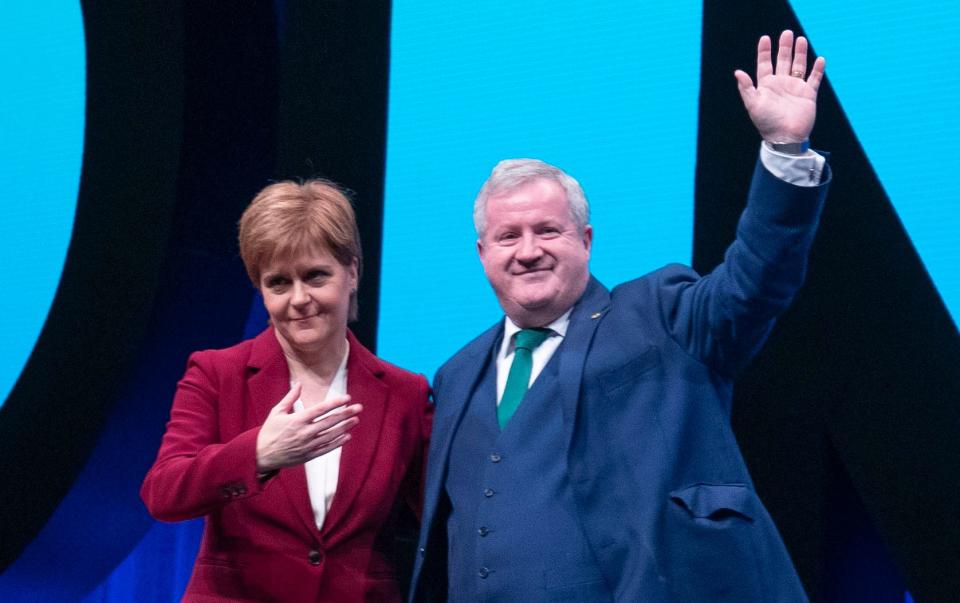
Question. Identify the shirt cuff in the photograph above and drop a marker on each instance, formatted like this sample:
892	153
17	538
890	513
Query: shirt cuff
801	170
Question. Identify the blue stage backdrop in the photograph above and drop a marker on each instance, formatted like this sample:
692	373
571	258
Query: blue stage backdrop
608	91
891	67
42	94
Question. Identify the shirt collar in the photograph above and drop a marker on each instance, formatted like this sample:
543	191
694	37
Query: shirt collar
559	327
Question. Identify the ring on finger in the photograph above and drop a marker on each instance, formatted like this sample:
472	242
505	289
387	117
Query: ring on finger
797	73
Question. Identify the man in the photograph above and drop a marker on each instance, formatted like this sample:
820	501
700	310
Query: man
618	476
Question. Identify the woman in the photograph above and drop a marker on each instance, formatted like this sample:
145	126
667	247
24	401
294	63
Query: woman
299	445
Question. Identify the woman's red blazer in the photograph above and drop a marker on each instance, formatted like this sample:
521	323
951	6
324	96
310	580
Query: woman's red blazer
260	541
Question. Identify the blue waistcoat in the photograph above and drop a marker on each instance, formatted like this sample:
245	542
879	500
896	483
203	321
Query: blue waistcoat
513	533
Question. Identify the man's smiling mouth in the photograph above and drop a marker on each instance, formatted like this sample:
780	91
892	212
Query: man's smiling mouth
533	271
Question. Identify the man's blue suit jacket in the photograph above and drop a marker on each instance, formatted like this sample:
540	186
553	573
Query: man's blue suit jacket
662	492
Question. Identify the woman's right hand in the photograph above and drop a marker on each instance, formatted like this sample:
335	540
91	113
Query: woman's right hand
290	438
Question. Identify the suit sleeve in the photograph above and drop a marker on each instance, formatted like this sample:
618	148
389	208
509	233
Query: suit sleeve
723	318
195	472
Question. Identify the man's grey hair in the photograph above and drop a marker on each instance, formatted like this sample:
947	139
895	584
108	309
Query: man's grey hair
511	174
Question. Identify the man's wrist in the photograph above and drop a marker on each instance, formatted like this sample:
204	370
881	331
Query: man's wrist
801	170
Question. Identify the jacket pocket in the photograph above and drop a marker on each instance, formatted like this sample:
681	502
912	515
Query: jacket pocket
710	550
630	371
716	501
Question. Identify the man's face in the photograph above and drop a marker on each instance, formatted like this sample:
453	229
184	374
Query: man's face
532	253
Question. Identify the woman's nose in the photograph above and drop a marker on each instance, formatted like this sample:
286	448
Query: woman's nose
299	295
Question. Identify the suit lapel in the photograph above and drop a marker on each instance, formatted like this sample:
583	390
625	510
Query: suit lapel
269	383
365	387
584	318
453	396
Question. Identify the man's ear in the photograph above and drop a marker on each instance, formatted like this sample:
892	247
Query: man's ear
480	248
587	237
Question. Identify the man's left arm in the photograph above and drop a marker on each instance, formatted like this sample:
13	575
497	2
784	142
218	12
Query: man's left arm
723	318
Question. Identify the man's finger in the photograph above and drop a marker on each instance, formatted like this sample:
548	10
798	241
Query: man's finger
800	58
764	58
745	85
816	74
784	53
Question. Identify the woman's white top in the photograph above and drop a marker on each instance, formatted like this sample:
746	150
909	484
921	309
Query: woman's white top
324	471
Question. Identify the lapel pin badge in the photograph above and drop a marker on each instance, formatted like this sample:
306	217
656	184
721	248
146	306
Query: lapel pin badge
596	315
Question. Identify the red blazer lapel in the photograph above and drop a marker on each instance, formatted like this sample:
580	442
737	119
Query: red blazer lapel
365	387
268	383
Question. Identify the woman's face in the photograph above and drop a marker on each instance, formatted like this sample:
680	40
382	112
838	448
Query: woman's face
308	299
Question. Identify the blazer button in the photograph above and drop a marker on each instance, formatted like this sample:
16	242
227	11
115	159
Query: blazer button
225	492
314	557
484	572
495	458
423	551
483	531
488	492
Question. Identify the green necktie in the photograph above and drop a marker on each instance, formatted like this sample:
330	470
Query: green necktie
518	380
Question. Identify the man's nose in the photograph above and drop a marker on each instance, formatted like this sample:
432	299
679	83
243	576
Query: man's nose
528	249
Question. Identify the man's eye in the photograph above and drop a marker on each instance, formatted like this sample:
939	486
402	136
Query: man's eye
508	236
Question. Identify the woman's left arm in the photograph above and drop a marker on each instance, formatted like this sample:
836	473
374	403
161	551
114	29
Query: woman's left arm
197	472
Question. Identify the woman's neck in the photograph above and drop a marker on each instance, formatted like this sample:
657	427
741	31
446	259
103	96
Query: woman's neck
321	362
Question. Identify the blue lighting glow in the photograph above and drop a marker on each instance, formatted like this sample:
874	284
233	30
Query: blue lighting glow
42	102
606	91
893	70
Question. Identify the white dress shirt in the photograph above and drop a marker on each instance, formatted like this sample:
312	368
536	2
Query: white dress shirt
540	357
801	170
323	472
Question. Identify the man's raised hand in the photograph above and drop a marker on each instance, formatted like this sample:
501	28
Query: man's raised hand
783	105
